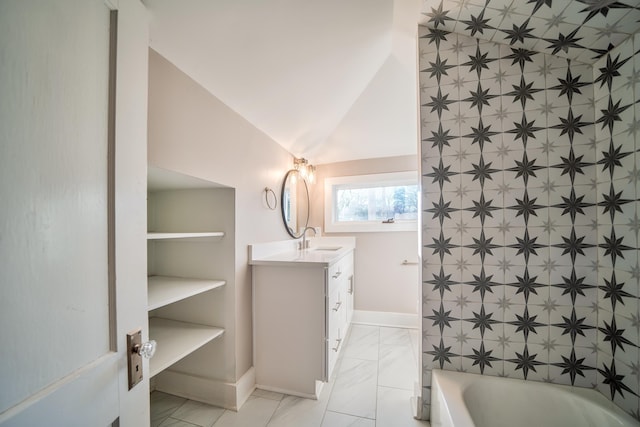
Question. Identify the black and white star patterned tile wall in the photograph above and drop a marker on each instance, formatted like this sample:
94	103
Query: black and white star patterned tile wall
617	121
530	173
582	30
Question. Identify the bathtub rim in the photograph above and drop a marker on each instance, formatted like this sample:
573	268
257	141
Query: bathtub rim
460	415
455	405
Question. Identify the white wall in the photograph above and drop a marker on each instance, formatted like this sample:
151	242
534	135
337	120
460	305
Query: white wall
192	132
382	282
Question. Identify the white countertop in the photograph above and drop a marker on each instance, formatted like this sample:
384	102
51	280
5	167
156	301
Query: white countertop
307	257
322	253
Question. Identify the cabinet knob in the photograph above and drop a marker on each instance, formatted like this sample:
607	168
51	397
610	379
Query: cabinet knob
335	276
337	347
337	307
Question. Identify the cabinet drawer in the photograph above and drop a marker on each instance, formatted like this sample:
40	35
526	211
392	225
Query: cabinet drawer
337	326
337	309
339	272
337	316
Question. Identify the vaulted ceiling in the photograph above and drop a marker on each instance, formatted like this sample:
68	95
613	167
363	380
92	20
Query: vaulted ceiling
335	80
296	69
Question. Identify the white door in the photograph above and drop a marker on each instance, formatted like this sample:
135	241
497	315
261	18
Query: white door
62	311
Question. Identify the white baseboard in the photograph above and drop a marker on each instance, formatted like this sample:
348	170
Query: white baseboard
214	392
383	318
416	407
245	386
319	386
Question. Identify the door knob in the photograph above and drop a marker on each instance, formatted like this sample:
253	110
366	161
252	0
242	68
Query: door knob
136	350
146	350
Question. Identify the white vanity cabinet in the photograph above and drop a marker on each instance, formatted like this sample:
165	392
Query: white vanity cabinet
302	306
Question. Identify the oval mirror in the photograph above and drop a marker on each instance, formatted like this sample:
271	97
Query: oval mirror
294	203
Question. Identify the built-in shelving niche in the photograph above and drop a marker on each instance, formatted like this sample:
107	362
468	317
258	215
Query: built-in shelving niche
190	247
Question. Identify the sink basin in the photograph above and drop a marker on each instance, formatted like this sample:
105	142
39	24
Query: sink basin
327	248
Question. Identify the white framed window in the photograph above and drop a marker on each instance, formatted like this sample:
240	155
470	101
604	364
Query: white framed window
371	203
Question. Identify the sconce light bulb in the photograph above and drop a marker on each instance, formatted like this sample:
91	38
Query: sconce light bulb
302	166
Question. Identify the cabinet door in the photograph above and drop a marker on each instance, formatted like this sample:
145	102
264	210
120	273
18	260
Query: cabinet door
349	298
349	285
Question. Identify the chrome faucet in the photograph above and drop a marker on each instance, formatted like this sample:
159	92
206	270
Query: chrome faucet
305	244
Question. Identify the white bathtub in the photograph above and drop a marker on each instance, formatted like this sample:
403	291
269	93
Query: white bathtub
469	400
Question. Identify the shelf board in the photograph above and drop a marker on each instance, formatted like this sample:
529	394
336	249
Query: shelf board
163	290
176	340
197	235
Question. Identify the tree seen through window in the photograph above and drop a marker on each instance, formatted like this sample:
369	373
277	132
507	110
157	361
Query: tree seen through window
377	203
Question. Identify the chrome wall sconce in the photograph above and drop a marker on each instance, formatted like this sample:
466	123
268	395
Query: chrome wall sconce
304	169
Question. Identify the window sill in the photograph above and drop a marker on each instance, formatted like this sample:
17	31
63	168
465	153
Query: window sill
376	227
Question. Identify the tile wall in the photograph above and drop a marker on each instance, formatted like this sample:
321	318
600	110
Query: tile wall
529	252
617	121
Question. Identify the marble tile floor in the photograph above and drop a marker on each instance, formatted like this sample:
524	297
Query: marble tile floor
371	387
